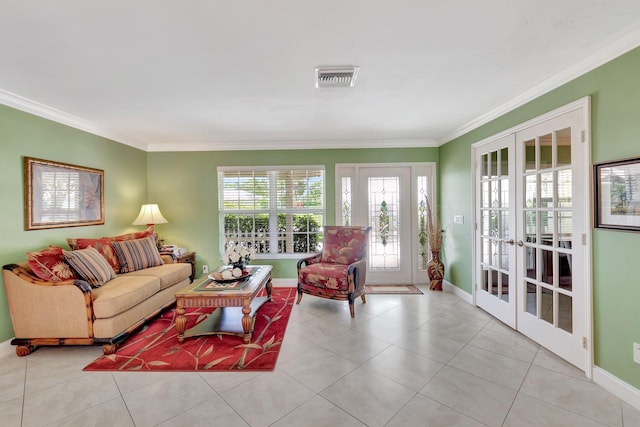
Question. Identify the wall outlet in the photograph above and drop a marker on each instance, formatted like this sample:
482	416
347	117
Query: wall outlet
205	269
458	219
636	352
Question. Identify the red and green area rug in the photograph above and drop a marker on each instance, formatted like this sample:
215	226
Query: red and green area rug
155	347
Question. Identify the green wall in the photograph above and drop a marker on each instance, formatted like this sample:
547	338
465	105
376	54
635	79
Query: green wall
185	186
615	100
125	185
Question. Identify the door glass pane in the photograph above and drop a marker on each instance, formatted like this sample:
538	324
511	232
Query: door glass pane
384	205
504	224
530	262
565	188
563	138
494	194
546	190
547	266
565	312
546	151
494	253
531	191
546	305
504	162
493	164
504	255
486	191
530	155
565	271
346	200
565	228
485	247
484	160
504	296
531	299
494	282
531	226
485	279
485	223
546	228
494	231
504	192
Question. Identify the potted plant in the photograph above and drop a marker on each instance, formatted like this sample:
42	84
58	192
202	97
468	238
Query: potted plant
435	267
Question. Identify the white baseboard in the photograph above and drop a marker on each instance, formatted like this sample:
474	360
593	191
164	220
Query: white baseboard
453	289
616	386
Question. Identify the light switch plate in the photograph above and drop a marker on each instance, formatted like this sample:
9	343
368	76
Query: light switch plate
636	352
458	219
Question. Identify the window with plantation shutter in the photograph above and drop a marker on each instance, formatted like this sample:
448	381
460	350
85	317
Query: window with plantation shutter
275	210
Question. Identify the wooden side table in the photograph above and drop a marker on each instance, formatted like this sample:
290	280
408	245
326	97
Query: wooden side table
190	258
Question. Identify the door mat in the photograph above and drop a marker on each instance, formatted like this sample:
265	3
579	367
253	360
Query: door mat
392	289
156	347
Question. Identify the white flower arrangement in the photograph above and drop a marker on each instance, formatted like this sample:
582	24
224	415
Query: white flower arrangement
238	253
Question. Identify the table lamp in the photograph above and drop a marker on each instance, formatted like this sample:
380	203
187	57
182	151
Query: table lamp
149	215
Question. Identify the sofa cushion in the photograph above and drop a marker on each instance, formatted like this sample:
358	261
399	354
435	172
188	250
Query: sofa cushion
90	265
102	245
49	264
137	254
122	293
168	274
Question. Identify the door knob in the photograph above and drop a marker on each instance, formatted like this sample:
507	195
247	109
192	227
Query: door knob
511	242
520	243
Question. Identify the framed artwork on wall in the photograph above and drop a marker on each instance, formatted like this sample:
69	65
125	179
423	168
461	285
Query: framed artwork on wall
61	195
617	194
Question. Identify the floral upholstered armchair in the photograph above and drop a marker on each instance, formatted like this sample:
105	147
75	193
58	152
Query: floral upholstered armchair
340	269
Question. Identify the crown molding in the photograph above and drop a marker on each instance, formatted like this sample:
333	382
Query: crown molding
37	109
291	145
603	53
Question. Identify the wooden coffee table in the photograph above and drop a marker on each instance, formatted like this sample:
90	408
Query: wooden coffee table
236	306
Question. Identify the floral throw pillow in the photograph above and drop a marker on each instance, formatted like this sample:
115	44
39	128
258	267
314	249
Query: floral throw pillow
49	264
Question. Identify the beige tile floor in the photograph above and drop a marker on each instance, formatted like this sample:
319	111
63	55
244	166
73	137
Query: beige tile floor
421	360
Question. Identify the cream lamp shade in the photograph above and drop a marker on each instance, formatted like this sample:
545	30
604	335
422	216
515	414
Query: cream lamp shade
149	215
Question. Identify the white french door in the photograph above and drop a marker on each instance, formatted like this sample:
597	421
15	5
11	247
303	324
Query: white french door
532	216
388	199
496	229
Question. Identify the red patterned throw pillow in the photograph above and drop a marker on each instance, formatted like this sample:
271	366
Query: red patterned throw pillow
49	264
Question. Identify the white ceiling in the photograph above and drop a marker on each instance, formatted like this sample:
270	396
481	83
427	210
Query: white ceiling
176	75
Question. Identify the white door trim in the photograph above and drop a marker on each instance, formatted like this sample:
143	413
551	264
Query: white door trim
585	105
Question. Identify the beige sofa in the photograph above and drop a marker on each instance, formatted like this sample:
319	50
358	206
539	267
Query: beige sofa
71	312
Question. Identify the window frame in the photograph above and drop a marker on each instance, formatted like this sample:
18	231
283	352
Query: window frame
273	210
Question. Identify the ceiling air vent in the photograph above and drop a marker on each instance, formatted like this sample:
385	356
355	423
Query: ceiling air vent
344	76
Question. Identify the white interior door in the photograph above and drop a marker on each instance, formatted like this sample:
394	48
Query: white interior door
551	234
532	189
495	233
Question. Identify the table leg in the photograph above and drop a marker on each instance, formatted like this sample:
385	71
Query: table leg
181	321
247	320
268	287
